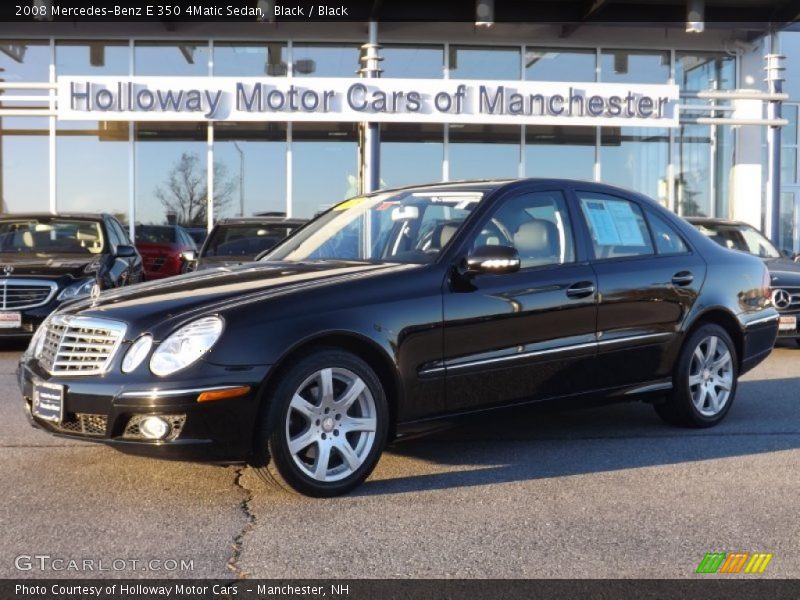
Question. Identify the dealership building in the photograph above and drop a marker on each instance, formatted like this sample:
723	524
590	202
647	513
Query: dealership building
189	122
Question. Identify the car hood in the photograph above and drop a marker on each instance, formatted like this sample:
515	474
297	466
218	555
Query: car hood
46	266
213	290
783	272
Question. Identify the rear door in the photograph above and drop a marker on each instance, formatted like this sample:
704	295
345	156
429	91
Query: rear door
648	280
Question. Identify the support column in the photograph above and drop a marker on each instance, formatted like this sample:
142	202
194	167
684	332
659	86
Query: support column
773	192
371	152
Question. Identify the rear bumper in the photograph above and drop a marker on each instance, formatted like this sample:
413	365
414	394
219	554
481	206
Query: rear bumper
99	411
760	333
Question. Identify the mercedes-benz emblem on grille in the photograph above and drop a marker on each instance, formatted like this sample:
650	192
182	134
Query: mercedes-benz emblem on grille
8	270
781	299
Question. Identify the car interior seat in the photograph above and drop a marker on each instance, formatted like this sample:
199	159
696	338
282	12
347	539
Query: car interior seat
537	242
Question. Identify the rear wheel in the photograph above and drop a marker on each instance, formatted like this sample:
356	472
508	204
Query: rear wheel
704	379
326	426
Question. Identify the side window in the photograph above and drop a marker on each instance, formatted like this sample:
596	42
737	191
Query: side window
536	224
668	241
616	226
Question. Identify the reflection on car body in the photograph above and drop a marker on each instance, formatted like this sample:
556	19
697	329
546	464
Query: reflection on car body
396	309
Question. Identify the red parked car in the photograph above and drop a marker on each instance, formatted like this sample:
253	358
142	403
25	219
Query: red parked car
166	250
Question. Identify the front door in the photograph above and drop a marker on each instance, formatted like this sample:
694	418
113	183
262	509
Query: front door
529	334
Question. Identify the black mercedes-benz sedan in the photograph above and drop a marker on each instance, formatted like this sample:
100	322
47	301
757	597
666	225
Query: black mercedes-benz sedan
47	259
396	309
784	272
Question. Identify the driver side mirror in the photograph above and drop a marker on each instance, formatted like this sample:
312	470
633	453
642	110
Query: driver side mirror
495	260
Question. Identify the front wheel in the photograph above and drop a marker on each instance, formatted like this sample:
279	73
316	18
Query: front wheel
326	426
704	380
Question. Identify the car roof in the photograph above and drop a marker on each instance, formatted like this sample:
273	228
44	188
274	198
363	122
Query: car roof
262	220
47	215
715	221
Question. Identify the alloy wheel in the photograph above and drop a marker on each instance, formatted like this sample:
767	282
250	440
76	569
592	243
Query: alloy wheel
331	424
711	376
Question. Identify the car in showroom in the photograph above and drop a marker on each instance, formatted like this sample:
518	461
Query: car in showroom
47	259
237	240
166	249
397	309
784	271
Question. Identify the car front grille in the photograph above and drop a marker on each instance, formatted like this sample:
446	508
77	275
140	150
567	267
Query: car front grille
84	424
19	294
79	345
786	299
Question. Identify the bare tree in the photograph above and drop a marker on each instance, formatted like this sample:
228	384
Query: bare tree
185	192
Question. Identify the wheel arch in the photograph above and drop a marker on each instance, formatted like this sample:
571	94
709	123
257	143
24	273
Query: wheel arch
725	319
361	346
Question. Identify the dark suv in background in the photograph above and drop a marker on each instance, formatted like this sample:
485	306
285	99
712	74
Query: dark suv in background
237	240
783	271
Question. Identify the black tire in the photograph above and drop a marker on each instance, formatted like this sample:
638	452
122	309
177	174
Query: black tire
275	462
680	409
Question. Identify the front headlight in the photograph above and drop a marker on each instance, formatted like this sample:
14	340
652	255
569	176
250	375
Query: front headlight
77	289
186	345
37	341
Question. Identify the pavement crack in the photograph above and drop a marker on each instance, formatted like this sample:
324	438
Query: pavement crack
250	520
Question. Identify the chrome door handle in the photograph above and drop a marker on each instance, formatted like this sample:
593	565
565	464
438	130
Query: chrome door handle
580	289
682	278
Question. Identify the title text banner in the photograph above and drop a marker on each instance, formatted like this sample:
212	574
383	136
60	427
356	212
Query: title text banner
376	100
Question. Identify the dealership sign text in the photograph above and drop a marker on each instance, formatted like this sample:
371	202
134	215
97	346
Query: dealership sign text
354	100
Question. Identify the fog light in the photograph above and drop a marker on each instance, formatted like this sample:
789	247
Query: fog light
154	428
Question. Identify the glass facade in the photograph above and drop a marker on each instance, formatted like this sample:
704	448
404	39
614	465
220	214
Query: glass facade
162	172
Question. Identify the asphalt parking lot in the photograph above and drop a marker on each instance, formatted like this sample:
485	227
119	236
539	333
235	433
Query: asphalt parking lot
608	492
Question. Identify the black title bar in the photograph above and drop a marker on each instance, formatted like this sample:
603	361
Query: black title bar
503	11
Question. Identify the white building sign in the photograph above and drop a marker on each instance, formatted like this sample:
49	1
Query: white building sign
376	100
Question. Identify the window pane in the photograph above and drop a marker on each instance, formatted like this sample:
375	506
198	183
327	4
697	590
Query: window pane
167	58
24	61
420	62
479	62
788	165
536	224
250	60
24	164
171	176
558	151
249	168
639	66
693	171
324	166
616	226
790	131
92	58
557	64
700	71
636	159
93	173
319	60
790	47
411	153
484	151
668	241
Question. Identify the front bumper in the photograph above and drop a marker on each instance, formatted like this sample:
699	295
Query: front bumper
101	409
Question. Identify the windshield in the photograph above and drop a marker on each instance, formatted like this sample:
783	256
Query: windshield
245	240
51	236
740	237
408	226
